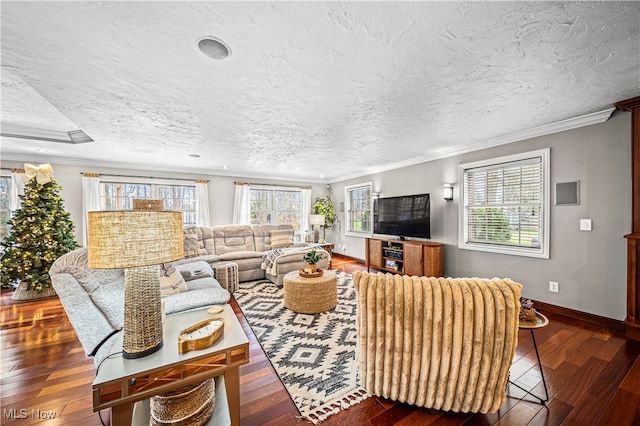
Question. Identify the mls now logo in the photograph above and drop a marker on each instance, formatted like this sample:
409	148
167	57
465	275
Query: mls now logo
23	413
14	413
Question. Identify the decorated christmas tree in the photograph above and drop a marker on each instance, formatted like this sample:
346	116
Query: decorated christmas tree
41	231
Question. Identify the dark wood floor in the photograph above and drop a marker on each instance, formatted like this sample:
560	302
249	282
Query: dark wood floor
593	375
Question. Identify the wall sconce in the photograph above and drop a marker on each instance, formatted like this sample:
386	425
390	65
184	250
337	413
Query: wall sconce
375	195
447	191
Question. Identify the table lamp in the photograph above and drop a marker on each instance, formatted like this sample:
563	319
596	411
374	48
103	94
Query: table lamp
316	220
137	241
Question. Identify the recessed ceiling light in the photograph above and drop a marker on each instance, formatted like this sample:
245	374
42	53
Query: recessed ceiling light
194	155
225	167
214	48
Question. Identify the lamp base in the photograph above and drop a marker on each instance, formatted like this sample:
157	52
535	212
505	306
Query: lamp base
142	332
316	233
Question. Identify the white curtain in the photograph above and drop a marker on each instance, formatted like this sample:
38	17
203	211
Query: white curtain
202	203
17	189
306	210
241	212
90	200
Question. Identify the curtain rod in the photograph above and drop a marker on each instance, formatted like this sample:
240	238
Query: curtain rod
144	177
274	184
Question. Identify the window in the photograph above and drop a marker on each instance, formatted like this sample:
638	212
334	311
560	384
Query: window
276	206
358	209
505	205
5	211
120	196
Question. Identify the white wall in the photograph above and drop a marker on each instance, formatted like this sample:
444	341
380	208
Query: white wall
221	189
590	267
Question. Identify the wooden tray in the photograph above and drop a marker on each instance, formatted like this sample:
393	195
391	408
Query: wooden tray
539	322
303	274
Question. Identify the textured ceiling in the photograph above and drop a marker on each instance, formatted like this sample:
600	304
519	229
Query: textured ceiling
331	89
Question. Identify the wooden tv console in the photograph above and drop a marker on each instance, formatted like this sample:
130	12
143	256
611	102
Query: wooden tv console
409	257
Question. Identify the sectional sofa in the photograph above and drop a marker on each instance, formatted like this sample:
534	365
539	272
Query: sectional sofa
94	299
248	246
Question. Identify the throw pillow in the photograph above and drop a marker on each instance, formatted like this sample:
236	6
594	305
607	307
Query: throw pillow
281	238
190	247
171	281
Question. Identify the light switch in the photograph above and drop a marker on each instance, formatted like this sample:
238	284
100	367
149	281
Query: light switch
585	224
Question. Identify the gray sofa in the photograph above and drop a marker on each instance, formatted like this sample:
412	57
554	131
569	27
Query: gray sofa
248	246
93	298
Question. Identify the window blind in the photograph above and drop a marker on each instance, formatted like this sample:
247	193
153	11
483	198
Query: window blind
359	208
504	203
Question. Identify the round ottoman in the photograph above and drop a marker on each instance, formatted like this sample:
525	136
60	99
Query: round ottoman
310	295
227	275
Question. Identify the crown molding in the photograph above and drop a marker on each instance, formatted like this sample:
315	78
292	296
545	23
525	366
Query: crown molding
206	171
560	126
534	132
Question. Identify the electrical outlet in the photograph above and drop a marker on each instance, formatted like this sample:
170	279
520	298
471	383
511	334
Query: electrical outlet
553	286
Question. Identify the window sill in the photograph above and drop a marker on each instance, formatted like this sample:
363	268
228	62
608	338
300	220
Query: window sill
512	251
358	234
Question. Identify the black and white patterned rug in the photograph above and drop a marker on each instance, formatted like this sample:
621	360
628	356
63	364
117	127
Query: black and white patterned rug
314	355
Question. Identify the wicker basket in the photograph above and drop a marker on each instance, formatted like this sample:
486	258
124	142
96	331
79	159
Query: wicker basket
146	204
190	405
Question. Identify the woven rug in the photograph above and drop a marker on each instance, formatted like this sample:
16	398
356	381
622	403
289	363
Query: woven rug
314	355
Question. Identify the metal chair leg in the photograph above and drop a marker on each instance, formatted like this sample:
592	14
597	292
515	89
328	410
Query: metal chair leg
544	382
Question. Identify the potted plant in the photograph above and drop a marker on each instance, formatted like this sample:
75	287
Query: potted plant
324	206
311	257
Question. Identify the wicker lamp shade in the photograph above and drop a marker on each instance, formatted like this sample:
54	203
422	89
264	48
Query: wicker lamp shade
137	241
126	238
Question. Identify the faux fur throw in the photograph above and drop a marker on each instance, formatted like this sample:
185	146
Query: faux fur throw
442	343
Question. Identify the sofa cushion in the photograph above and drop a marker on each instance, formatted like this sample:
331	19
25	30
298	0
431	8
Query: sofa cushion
209	258
236	256
193	244
233	238
262	236
281	238
205	282
195	299
171	281
194	270
109	299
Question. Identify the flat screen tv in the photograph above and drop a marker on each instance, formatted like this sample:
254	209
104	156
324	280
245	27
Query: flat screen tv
404	216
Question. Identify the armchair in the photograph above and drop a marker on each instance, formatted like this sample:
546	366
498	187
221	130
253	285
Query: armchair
442	343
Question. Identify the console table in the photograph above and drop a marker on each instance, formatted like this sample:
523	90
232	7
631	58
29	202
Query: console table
122	382
410	257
